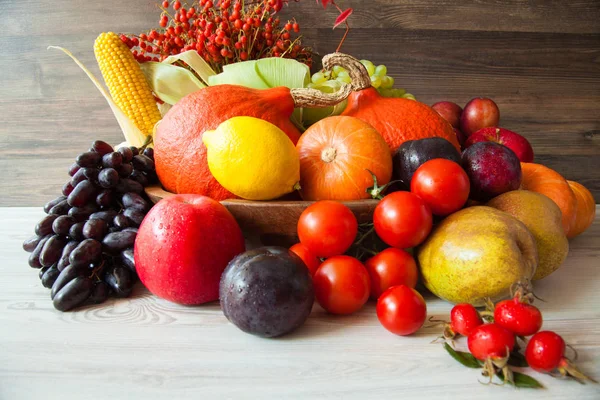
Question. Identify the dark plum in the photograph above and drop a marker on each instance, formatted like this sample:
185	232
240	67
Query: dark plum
414	153
266	291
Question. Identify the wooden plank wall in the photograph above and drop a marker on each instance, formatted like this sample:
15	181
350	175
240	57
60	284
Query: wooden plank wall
538	59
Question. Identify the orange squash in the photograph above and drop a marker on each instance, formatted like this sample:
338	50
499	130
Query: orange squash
586	209
397	120
336	155
541	179
180	154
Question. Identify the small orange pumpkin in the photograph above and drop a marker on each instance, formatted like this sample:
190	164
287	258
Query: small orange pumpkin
541	179
586	209
336	155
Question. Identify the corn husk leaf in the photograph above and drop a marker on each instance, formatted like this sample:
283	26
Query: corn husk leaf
170	83
191	57
133	135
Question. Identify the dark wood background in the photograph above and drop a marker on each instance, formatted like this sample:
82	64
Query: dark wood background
539	60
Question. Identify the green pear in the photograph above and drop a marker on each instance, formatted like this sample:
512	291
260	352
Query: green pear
543	218
477	253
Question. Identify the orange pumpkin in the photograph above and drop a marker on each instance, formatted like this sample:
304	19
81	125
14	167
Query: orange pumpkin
397	120
336	155
541	179
586	209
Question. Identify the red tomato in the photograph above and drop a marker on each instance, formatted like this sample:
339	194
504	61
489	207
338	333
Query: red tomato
402	220
391	267
341	285
327	228
442	184
401	310
311	261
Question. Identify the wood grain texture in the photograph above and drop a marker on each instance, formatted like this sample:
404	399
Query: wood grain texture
537	59
145	347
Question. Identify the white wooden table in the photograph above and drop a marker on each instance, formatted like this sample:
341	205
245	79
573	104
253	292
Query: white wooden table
144	347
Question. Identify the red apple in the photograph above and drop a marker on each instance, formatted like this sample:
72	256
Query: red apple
183	246
510	139
479	113
449	111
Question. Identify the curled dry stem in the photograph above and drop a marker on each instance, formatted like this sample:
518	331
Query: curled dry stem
358	73
313	98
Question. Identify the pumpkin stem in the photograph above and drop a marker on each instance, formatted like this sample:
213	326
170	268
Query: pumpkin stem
329	154
358	73
313	98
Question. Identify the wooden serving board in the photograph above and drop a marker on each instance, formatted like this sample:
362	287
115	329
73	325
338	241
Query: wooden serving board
274	222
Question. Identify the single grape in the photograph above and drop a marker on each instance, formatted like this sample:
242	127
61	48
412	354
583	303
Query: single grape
140	177
369	66
134	150
129	185
63	261
337	69
95	229
73	169
82	213
76	231
106	215
381	71
89	159
344	79
149	152
42	272
73	293
125	170
34	257
142	163
112	160
62	224
30	244
387	82
375	81
119	280
135	201
66	275
85	253
127	259
61	208
318	77
50	276
126	153
108	177
105	198
52	250
82	194
120	222
99	293
134	216
67	188
48	206
44	227
115	242
78	178
102	147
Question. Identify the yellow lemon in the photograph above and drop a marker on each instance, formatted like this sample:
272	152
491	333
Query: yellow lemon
252	158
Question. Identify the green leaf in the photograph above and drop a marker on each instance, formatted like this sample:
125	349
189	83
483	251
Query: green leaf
170	82
242	73
133	135
517	360
462	357
522	381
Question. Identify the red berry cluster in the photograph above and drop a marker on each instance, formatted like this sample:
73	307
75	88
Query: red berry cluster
222	33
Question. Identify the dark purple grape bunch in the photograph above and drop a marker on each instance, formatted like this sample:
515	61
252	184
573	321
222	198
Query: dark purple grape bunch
84	246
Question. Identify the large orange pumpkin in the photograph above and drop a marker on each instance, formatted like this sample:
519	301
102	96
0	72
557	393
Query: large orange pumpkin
541	179
397	120
180	154
586	209
336	155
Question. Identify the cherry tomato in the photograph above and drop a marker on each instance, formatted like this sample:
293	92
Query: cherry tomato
520	318
402	220
442	184
464	318
490	341
545	351
327	228
341	285
311	261
401	310
391	267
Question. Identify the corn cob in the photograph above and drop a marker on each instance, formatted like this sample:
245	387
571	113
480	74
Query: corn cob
126	82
